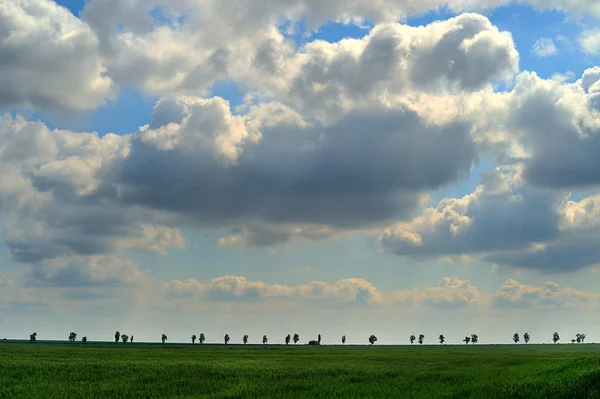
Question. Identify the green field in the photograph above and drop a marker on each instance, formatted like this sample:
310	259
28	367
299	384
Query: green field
108	370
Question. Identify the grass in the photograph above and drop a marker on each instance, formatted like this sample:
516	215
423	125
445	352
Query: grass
107	370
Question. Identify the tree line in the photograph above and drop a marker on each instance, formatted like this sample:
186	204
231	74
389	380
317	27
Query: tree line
472	339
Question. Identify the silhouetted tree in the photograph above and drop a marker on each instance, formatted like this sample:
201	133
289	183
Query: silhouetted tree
226	339
343	340
117	336
296	338
131	339
193	339
288	339
516	338
245	339
421	339
578	338
442	339
33	337
555	337
313	342
474	338
372	339
124	338
72	337
164	338
265	339
84	339
412	339
319	339
526	337
467	340
573	341
582	337
202	338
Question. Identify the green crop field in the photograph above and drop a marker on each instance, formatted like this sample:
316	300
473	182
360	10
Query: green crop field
109	370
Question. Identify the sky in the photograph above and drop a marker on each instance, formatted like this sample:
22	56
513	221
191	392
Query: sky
276	167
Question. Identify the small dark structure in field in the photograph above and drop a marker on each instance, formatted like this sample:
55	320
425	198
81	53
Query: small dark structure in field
313	343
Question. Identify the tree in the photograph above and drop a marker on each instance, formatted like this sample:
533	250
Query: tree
193	339
288	339
164	338
117	336
421	339
526	337
474	338
442	339
343	340
582	337
131	339
412	339
555	337
84	339
245	339
265	339
124	338
202	338
319	339
573	341
72	337
296	338
226	339
516	338
467	340
372	339
33	337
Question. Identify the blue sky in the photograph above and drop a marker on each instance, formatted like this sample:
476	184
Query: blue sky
355	251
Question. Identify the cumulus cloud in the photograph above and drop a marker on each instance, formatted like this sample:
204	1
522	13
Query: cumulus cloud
590	41
500	215
506	223
46	200
513	294
351	290
49	59
559	125
450	293
544	47
326	79
287	177
81	272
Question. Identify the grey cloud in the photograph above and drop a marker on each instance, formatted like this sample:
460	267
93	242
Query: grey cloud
372	166
90	272
498	216
558	123
469	53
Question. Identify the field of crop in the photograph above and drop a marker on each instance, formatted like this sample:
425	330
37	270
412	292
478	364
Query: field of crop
105	370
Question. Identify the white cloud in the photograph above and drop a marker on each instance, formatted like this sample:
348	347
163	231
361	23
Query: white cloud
351	290
513	294
590	41
544	47
49	59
